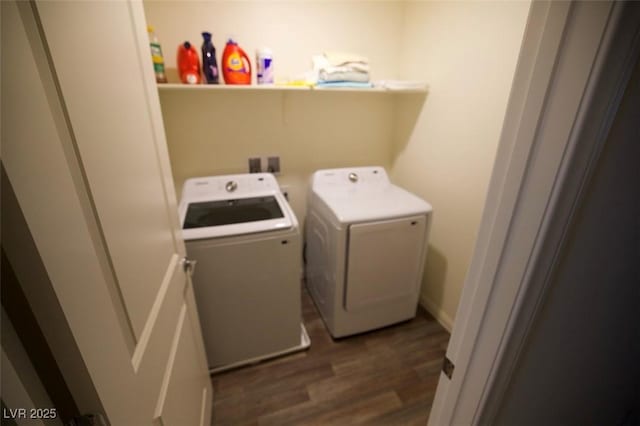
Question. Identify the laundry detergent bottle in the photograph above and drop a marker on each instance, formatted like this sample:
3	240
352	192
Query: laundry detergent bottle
156	56
209	64
188	64
236	66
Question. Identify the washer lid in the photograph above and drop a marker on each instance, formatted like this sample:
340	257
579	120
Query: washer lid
352	206
230	205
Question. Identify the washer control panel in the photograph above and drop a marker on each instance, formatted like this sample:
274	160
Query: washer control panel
244	185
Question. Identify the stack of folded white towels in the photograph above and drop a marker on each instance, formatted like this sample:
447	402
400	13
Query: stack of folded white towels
338	67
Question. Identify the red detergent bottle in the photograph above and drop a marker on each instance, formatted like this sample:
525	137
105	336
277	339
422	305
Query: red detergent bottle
188	64
236	66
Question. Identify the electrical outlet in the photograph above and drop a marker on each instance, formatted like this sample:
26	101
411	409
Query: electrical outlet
255	165
273	165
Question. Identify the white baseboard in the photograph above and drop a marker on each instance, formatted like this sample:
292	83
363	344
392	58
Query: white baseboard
440	315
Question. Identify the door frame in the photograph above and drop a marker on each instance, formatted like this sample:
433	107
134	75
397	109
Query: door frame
574	65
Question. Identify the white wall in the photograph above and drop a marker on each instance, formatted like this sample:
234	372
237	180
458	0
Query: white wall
467	52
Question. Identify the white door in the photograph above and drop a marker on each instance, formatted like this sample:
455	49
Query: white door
84	148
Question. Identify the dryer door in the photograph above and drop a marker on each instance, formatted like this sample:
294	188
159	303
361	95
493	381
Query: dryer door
384	262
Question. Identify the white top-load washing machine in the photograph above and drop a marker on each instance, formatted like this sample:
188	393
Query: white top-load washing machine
245	239
366	246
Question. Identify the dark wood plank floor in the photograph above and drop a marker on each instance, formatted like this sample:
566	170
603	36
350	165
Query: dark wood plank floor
384	377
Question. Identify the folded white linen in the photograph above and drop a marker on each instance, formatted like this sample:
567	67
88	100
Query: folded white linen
349	72
343	75
337	59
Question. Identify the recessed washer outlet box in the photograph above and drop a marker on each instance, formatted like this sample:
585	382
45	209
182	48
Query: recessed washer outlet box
273	165
255	165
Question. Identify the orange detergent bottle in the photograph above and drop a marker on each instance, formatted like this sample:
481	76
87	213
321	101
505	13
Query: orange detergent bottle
188	64
236	67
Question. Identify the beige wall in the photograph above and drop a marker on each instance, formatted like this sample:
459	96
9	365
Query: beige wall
215	133
440	146
467	51
294	29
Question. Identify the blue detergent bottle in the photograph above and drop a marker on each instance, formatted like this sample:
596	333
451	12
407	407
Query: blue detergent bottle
209	63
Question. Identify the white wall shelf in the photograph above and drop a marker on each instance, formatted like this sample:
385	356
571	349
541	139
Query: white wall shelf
224	87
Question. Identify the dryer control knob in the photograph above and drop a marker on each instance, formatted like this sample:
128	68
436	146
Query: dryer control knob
231	186
353	177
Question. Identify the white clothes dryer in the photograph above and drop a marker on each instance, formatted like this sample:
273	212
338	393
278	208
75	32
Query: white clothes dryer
366	246
245	239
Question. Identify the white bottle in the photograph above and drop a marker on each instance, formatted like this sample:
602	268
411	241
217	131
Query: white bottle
264	64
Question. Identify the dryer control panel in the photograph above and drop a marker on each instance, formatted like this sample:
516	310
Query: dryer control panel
350	177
